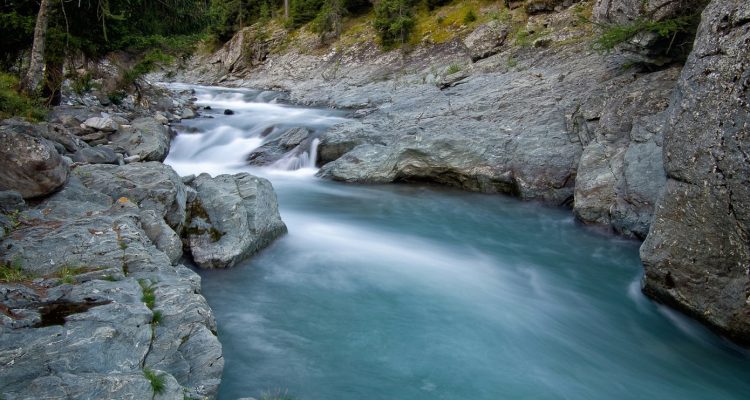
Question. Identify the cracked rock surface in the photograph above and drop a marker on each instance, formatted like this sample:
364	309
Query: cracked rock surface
697	253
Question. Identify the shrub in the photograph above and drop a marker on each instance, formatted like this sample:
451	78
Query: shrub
470	17
116	98
394	21
81	83
147	64
329	19
13	103
613	35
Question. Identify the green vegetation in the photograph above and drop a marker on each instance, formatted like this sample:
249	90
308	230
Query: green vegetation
66	273
157	317
470	16
613	35
81	83
394	21
158	381
13	273
13	103
148	297
452	69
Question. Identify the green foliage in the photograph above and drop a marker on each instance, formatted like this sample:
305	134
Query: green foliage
452	69
613	35
303	11
17	27
13	103
329	19
470	17
158	381
394	21
148	297
81	83
11	273
157	317
67	272
116	97
433	4
147	64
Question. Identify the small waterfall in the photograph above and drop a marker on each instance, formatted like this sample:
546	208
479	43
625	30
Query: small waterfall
295	160
219	141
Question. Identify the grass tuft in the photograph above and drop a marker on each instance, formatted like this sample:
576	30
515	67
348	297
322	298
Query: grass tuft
158	382
149	297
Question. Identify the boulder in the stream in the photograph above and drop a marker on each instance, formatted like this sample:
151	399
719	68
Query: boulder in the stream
30	165
231	217
276	147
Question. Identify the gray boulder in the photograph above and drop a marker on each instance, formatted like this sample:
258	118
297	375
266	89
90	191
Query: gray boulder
187	114
232	217
697	252
146	138
486	40
276	147
96	155
104	124
152	185
29	165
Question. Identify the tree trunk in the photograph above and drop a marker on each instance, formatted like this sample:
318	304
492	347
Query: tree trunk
53	78
286	9
34	75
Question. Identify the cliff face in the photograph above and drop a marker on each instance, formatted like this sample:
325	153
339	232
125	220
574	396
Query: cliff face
697	253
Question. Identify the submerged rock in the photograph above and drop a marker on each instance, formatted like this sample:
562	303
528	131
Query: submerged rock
232	217
697	252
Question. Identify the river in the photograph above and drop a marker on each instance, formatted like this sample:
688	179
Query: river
416	292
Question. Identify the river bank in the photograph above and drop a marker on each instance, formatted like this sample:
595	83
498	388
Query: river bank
95	299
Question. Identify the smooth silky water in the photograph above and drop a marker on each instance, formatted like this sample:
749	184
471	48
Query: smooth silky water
410	292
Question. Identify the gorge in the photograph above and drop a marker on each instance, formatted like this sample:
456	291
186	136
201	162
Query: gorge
144	253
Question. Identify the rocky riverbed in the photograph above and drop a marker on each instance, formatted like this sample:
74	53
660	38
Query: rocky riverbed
551	119
95	301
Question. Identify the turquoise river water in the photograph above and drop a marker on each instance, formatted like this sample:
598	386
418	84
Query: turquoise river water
410	292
